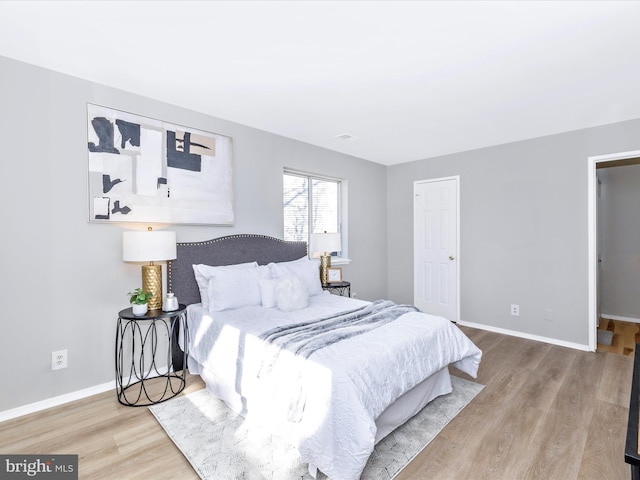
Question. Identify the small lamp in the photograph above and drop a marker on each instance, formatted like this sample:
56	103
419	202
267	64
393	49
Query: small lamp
325	243
150	247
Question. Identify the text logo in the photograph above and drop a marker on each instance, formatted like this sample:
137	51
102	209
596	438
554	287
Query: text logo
50	467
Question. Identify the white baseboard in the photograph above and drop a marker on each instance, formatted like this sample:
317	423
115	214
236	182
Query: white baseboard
68	397
55	401
619	317
513	333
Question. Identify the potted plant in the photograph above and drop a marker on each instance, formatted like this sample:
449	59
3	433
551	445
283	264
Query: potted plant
139	301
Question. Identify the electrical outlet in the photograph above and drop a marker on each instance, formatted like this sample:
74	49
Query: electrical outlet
515	310
58	360
354	294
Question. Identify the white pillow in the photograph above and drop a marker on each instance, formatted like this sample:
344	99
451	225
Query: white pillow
236	288
268	292
203	273
291	292
307	270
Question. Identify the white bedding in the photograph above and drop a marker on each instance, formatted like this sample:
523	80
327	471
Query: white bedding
347	384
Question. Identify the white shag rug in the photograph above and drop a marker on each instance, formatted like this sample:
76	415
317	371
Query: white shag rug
220	445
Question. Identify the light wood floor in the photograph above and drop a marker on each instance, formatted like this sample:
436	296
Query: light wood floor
625	336
547	412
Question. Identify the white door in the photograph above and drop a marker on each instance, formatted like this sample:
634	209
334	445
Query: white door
435	245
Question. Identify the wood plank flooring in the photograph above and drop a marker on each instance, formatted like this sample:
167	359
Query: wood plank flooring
546	412
625	336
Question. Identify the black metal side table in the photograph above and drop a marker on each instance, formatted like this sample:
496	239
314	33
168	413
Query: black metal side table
150	366
338	287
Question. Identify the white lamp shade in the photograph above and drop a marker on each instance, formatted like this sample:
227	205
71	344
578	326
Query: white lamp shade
326	242
148	246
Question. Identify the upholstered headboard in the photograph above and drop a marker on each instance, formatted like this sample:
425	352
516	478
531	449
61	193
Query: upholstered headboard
225	251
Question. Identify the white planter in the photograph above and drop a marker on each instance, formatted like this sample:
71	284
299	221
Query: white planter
139	310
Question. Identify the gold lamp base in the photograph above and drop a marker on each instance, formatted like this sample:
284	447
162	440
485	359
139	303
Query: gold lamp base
152	282
325	262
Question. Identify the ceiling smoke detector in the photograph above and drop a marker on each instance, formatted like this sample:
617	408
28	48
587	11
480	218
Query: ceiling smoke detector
347	137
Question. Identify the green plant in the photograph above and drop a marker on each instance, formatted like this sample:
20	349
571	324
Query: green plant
139	297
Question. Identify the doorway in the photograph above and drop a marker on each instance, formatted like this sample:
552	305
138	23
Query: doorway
436	246
594	241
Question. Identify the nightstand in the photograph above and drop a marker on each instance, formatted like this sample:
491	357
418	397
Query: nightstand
150	367
339	288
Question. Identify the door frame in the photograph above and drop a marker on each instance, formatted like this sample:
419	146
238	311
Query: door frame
592	213
456	178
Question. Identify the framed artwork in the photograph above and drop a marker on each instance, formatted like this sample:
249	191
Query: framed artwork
334	275
150	171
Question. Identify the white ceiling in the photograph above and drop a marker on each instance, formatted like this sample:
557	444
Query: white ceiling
410	80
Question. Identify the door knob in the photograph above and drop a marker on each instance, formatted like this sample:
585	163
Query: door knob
451	257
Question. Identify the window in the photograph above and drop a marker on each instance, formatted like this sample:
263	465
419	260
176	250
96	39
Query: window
312	204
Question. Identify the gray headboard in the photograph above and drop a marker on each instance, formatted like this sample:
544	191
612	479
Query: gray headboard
225	251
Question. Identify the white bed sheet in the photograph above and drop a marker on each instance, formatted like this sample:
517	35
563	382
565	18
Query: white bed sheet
348	385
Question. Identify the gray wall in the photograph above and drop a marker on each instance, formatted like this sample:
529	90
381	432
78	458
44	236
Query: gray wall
523	215
619	220
63	279
523	226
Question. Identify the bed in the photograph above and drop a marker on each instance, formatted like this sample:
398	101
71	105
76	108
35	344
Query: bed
333	377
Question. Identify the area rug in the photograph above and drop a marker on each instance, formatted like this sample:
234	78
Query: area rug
220	445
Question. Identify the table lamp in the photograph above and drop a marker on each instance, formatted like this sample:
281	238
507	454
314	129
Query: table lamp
325	243
150	246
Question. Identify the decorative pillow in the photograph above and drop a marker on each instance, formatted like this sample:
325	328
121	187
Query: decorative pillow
236	288
268	292
203	273
307	270
291	292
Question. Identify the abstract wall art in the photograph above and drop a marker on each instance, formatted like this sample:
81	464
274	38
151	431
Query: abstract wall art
150	171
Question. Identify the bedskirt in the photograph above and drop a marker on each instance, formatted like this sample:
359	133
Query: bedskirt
395	415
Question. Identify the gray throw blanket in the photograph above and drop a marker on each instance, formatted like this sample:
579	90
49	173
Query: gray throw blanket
303	339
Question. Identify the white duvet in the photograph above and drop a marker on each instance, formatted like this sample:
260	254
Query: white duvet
347	385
